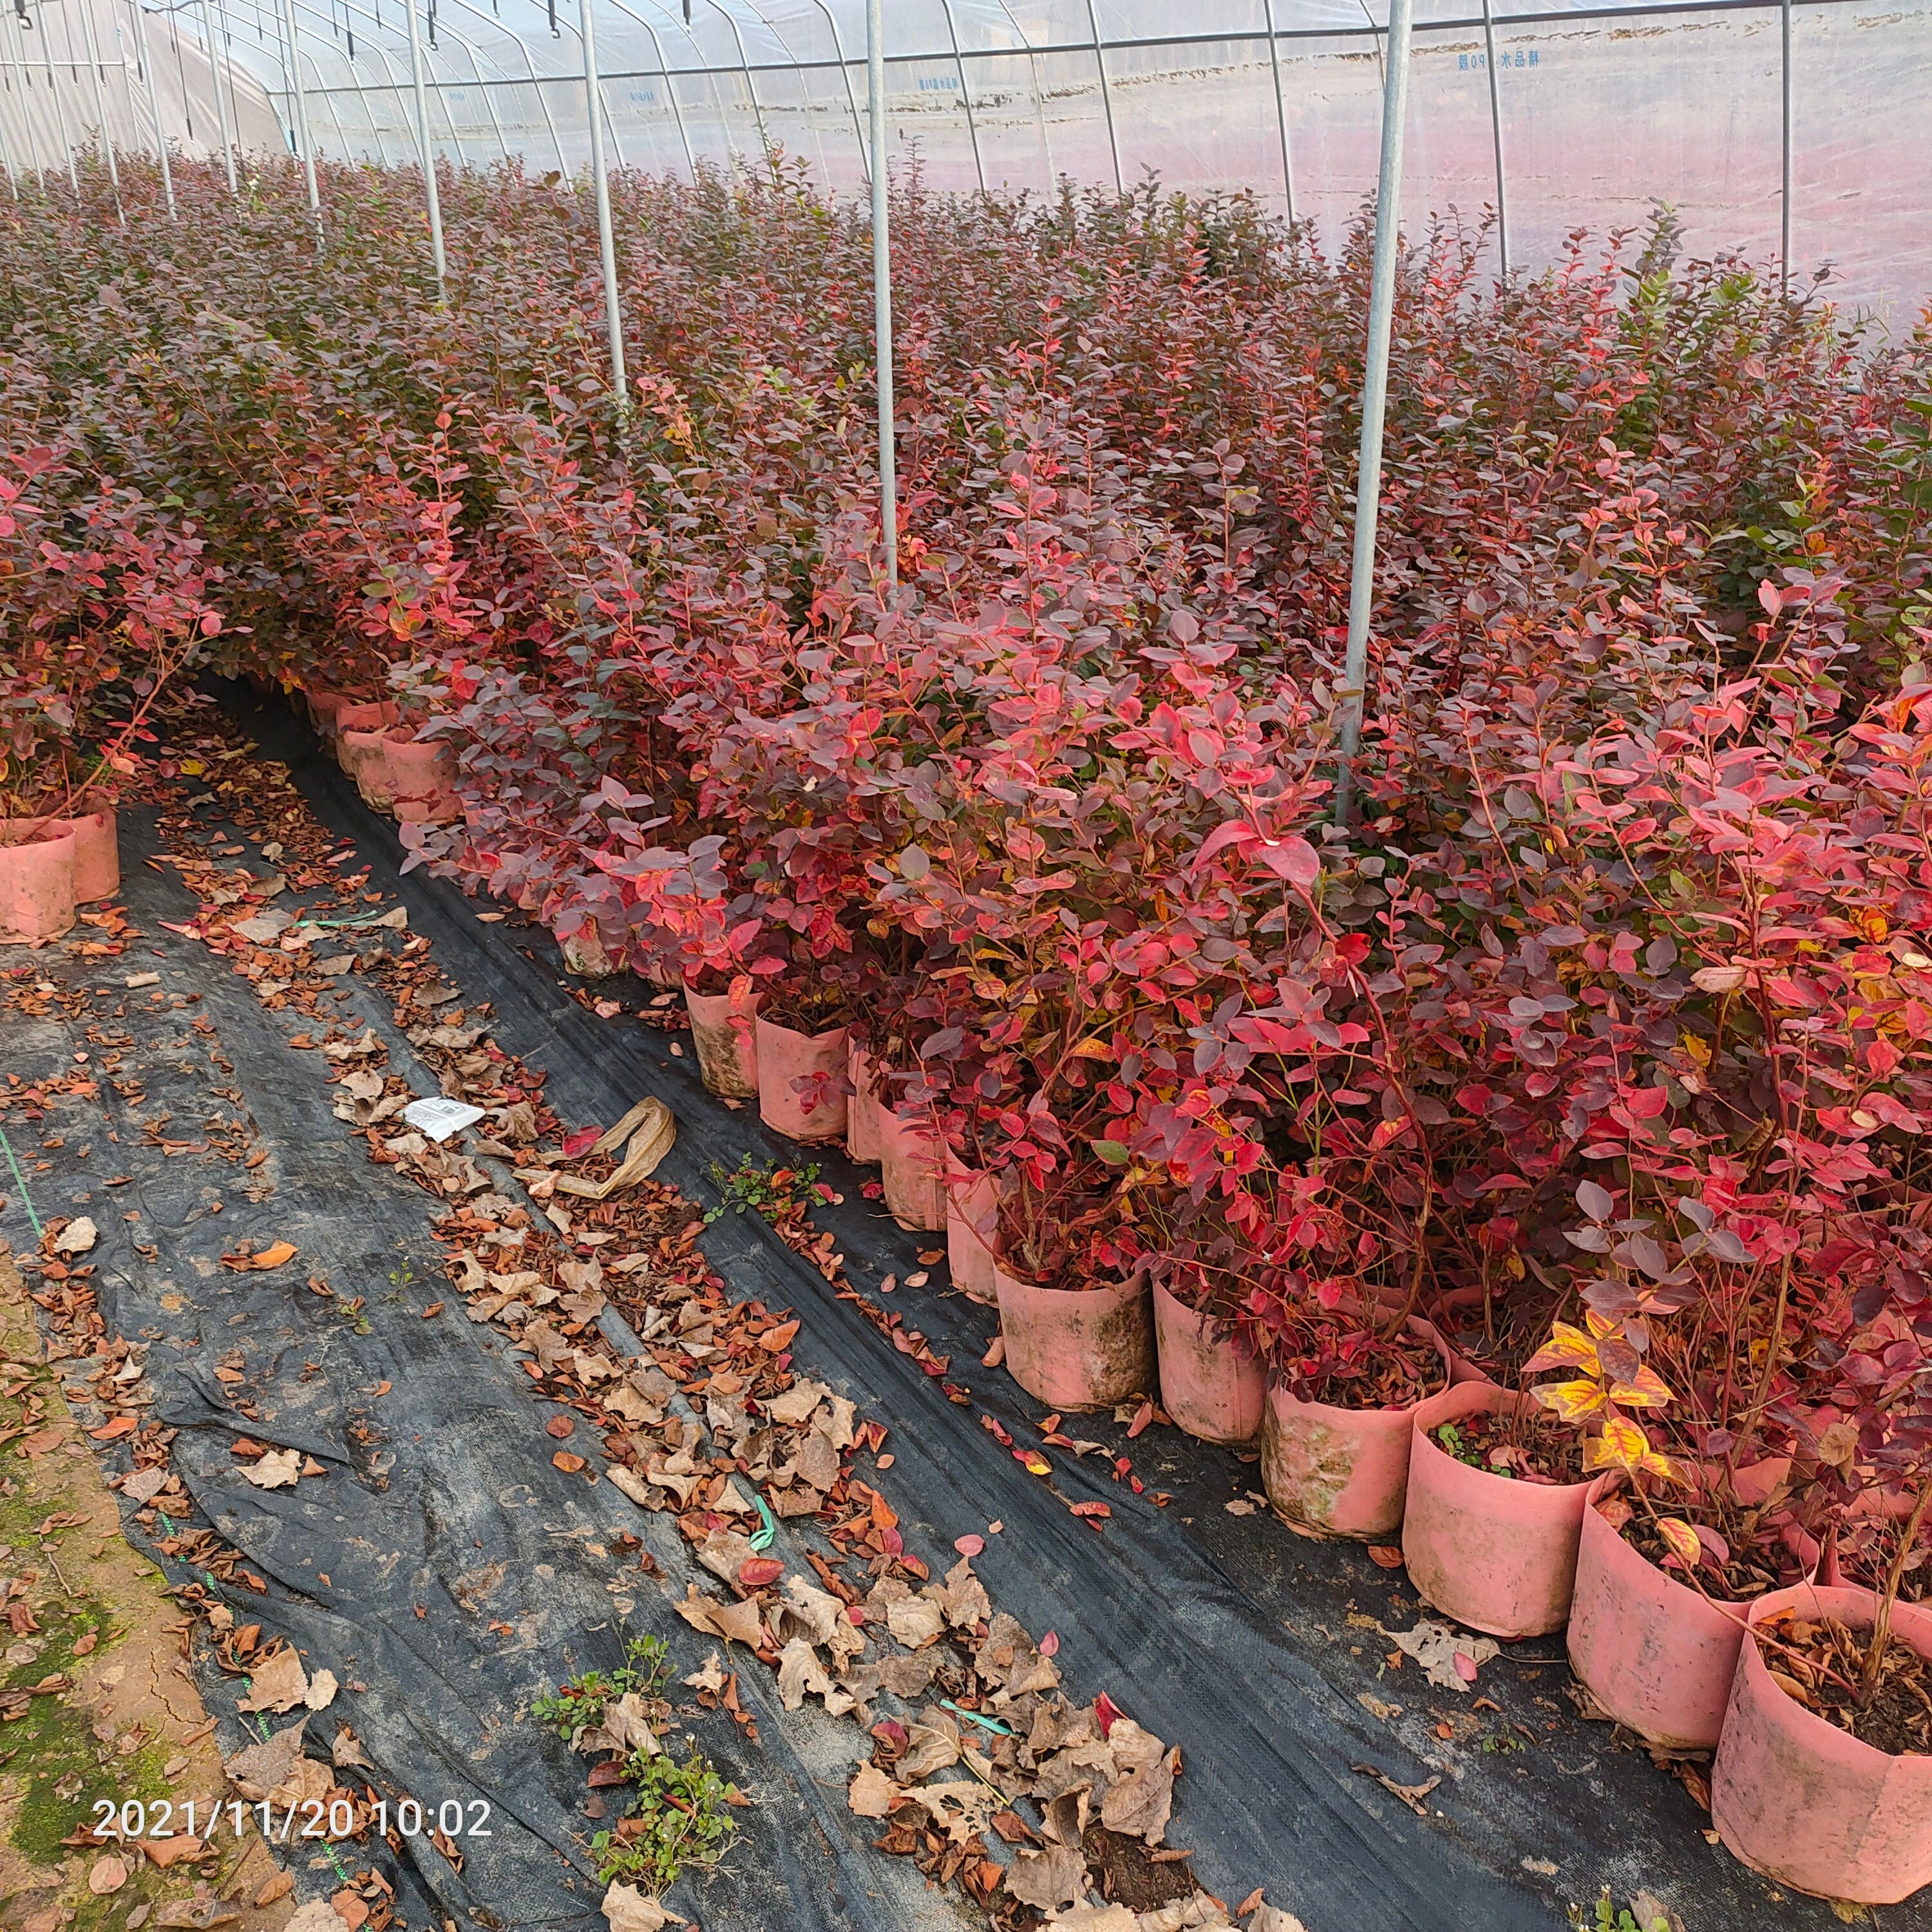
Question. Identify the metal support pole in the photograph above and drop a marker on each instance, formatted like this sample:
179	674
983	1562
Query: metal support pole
60	112
1374	398
882	286
1281	112
606	243
302	135
101	128
1496	134
670	86
6	158
751	85
430	194
1106	99
845	75
965	94
1784	188
32	133
221	101
154	105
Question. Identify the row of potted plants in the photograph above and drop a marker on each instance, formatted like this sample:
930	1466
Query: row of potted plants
1632	896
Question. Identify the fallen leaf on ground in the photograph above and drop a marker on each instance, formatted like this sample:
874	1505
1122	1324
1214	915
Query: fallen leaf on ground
1050	1877
110	1874
1411	1794
1096	1919
1385	1556
279	1469
626	1910
77	1237
872	1794
279	1683
322	1689
1448	1660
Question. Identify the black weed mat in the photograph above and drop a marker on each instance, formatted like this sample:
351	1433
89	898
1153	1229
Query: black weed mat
1260	1654
443	1569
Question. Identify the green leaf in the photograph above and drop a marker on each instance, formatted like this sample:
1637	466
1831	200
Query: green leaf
1114	1153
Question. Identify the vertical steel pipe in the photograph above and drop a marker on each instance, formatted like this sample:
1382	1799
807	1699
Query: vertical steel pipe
431	199
300	101
101	128
1784	156
1281	111
60	112
1496	133
965	94
607	242
221	101
1106	99
882	287
1375	399
154	105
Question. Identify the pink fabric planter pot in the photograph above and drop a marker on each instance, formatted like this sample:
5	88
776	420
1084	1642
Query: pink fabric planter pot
798	1082
1341	1472
36	886
971	1211
1078	1348
323	708
1492	1552
1214	1387
364	756
1656	1654
96	856
1806	1804
422	779
912	1159
96	850
721	1029
862	1110
361	732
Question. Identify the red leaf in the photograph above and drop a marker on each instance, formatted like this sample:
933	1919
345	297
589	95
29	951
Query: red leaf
759	1573
1106	1712
582	1141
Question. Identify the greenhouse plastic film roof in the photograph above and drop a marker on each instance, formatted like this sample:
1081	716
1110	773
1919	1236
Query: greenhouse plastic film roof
1582	116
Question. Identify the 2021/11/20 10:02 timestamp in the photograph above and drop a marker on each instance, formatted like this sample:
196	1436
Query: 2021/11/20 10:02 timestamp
454	1818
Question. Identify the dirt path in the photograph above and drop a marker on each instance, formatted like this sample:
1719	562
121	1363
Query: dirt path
96	1701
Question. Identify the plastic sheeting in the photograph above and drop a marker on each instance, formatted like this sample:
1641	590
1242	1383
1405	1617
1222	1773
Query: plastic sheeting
1588	116
77	69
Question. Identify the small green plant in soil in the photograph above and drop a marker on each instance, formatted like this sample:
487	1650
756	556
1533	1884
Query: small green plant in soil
579	1704
774	1192
679	1817
1610	1917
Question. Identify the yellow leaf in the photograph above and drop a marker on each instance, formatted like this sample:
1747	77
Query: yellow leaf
1096	1048
1682	1540
1573	1401
1568	1348
1600	1325
1647	1390
193	767
1621	1445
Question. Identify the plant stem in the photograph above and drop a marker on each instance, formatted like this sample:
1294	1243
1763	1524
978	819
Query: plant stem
1881	1634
